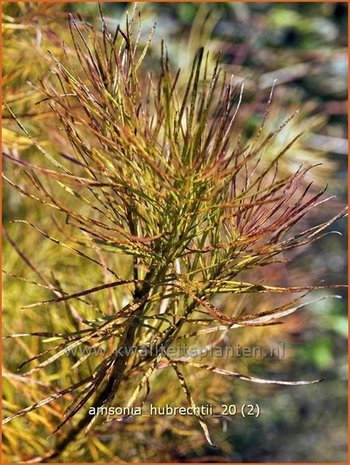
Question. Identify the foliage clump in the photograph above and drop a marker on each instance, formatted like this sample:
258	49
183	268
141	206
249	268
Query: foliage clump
154	188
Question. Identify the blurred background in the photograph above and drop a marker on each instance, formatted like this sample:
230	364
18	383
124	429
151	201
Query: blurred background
304	47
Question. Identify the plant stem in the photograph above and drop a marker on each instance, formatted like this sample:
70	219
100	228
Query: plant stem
111	388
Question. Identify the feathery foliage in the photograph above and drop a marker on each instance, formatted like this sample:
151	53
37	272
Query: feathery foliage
153	187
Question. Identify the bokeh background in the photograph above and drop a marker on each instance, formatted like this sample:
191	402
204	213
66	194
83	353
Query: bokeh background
304	47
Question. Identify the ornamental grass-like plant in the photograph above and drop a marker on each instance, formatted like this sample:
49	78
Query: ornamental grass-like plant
158	205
